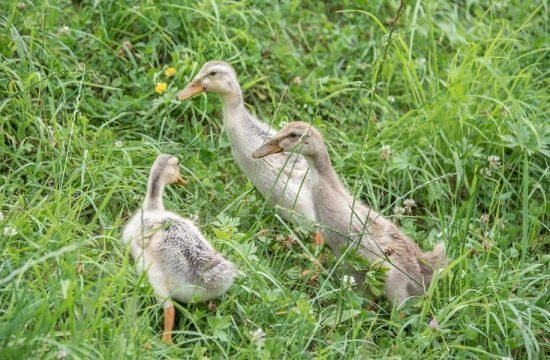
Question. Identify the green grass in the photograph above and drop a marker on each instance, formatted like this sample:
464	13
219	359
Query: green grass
80	125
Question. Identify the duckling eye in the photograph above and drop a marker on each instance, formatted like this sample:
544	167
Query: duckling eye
212	73
293	135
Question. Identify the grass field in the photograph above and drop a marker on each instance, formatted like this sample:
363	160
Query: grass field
460	105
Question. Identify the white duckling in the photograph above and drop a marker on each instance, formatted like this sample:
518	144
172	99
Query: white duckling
282	179
350	223
179	261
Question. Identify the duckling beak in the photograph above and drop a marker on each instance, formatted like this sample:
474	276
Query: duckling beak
181	181
192	89
270	147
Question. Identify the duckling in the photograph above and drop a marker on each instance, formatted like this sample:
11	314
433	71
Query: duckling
179	261
283	179
348	222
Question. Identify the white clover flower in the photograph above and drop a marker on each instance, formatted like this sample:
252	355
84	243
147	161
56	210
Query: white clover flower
297	81
349	280
64	30
494	161
10	231
118	144
484	218
487	172
391	99
409	204
398	210
385	152
258	336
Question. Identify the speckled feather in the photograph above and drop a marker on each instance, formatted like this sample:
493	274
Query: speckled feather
184	252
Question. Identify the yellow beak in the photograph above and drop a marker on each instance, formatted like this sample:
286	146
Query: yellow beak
192	89
268	148
181	181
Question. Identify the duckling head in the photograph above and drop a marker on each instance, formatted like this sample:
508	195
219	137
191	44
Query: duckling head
214	76
166	170
298	137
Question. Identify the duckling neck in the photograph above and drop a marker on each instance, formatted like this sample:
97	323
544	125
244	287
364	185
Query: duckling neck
155	190
234	98
245	132
323	174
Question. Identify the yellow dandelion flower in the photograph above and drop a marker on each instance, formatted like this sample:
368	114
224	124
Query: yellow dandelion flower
161	87
171	71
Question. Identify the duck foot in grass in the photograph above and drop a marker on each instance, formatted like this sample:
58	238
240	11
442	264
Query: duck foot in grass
318	239
169	314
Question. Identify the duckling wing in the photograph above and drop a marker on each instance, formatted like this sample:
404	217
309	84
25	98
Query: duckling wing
186	254
216	271
180	250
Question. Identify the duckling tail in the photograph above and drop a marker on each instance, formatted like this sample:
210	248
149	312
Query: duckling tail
437	258
431	261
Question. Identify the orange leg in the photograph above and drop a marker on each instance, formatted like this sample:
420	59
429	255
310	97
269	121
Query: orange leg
169	314
318	239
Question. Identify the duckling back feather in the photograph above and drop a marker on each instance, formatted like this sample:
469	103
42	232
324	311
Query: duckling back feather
186	254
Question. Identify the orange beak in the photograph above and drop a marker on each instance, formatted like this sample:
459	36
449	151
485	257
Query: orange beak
192	89
181	181
270	147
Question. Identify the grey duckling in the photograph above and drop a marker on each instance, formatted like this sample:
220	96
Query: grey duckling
179	262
